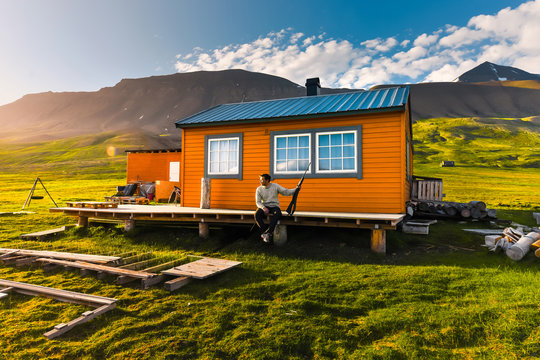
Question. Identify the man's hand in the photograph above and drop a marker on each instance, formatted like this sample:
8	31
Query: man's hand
266	211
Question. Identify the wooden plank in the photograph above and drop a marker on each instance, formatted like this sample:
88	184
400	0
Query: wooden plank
100	268
64	255
164	266
203	268
62	295
85	317
177	283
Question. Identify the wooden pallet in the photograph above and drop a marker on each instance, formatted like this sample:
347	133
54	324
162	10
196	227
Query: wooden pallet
128	200
101	304
40	235
92	204
203	268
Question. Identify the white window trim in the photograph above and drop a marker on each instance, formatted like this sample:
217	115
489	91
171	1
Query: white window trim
319	171
237	156
275	153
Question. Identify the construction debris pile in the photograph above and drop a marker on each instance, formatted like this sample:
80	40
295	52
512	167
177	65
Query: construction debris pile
514	243
451	210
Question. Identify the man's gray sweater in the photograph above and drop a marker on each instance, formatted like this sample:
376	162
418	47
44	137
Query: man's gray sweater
268	195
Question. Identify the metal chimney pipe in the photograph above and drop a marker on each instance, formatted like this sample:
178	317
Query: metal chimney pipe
313	87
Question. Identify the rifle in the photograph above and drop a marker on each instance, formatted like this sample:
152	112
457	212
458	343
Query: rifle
292	206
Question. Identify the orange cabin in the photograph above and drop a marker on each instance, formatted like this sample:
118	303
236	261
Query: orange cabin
159	166
358	144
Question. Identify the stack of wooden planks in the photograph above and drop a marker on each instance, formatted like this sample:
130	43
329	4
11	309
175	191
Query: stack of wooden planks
41	235
92	204
101	304
133	267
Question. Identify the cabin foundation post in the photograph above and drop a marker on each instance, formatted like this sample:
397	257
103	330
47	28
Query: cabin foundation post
204	230
82	221
280	235
129	225
378	240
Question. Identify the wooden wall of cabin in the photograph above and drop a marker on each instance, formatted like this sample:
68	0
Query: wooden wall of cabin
153	167
381	189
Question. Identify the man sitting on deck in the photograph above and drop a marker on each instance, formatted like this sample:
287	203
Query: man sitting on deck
266	198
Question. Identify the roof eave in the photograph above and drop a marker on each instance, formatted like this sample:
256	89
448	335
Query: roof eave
299	117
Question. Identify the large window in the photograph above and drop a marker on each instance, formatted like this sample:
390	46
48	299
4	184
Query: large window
334	152
223	156
292	153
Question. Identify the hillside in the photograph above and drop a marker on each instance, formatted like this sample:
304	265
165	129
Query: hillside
149	105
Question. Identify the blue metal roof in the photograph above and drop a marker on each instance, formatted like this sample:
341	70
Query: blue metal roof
392	98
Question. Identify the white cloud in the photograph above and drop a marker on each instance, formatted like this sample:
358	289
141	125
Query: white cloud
509	37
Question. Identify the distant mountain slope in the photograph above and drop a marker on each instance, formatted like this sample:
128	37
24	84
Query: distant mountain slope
452	100
150	105
492	72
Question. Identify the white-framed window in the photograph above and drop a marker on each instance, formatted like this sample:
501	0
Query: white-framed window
223	156
336	152
333	152
292	153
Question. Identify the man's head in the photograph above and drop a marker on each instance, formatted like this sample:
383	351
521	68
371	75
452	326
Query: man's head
264	179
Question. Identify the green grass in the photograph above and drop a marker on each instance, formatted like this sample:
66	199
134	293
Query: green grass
322	296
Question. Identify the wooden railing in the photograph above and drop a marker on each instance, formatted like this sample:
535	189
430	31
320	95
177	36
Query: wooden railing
426	188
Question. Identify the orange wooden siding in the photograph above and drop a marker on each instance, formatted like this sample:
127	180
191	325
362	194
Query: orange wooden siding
381	189
153	167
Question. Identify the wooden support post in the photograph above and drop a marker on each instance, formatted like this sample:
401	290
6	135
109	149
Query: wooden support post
204	230
205	193
378	241
83	221
129	225
280	235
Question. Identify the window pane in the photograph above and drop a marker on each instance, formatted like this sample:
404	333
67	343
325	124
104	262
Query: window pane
281	142
335	139
223	145
348	164
337	164
213	145
303	164
233	145
324	152
281	154
214	167
292	165
348	151
233	155
281	166
324	164
233	166
292	154
303	153
336	152
324	140
213	156
292	141
348	139
304	141
222	166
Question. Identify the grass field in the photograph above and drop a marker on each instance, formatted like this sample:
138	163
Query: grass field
322	296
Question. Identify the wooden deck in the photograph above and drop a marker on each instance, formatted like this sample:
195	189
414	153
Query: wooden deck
132	213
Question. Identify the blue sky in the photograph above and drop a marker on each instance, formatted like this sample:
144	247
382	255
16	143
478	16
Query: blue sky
74	45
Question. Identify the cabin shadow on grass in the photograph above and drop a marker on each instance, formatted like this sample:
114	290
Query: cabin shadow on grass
446	245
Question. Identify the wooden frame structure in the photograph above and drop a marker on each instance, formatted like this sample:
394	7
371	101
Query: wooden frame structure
129	214
101	304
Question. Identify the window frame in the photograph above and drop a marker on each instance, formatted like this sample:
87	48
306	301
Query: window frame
231	136
317	155
312	172
274	160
